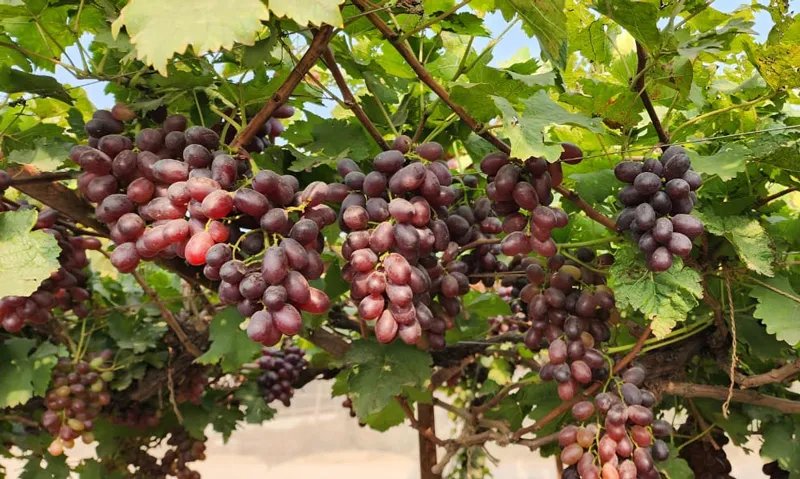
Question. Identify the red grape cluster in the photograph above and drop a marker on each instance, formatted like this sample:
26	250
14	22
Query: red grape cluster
64	289
79	390
522	194
625	444
135	416
658	201
705	460
260	236
569	308
282	368
395	219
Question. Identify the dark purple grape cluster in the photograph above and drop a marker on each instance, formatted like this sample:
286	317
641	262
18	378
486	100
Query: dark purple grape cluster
569	308
396	217
625	440
171	192
658	203
79	391
705	460
773	471
135	416
521	193
65	289
282	367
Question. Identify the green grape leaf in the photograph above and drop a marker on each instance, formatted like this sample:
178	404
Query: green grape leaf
728	162
160	29
380	372
25	371
543	398
547	20
782	444
638	18
315	12
664	298
527	129
93	469
390	416
596	186
16	81
26	257
256	410
675	467
778	312
55	468
748	237
47	155
229	344
134	333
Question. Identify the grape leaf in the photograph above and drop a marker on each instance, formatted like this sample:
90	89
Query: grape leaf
781	444
388	417
728	162
16	81
25	372
547	20
26	257
160	29
47	155
134	333
381	371
56	468
778	312
256	410
315	12
596	186
93	469
543	398
229	344
747	236
675	467
665	298
638	18
526	129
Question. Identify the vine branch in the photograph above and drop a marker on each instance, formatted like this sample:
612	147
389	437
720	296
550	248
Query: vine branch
777	375
641	57
689	390
318	45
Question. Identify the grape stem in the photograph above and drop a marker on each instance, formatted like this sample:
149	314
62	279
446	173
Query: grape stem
683	333
580	244
639	86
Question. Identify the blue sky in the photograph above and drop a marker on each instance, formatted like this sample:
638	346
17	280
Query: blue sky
513	41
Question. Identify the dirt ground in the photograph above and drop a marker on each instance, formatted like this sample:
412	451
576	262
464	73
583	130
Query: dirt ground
317	438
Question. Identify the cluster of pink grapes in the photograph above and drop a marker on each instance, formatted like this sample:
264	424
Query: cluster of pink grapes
172	193
65	289
623	442
658	201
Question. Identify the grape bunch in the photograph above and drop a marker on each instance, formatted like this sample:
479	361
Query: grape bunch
394	219
658	201
178	195
192	385
705	461
773	471
79	390
282	367
135	415
66	288
624	441
521	193
182	450
569	309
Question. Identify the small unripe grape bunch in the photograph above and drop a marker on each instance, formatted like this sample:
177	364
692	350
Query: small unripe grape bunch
569	308
620	437
79	391
66	288
658	203
395	217
521	193
282	367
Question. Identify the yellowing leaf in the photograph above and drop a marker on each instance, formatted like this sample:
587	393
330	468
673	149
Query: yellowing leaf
26	257
159	29
315	12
